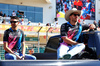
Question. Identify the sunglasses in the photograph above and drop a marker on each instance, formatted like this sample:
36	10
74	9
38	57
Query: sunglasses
13	21
76	14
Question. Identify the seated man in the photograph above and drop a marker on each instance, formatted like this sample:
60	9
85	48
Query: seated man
13	38
70	33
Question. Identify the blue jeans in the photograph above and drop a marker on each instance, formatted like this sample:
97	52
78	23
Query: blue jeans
72	50
9	56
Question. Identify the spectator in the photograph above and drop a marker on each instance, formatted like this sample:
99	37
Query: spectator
55	20
29	23
4	21
88	6
4	15
39	24
17	14
56	25
79	4
84	2
13	13
20	15
70	5
31	51
65	7
14	40
58	5
83	22
95	23
48	24
22	22
1	14
75	4
61	4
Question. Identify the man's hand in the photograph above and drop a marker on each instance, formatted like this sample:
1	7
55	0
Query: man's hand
92	26
23	57
19	57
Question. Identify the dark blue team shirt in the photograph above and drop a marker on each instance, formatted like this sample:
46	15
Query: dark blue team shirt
14	38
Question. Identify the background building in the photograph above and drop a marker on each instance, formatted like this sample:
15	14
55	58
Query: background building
45	10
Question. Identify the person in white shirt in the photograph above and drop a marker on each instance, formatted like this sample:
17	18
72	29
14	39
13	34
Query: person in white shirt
13	13
22	22
29	23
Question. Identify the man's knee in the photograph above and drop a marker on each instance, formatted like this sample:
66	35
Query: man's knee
81	45
10	57
27	57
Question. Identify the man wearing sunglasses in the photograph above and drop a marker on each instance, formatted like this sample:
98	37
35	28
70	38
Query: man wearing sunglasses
14	41
70	33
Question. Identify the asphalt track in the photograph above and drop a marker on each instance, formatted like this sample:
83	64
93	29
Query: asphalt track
50	63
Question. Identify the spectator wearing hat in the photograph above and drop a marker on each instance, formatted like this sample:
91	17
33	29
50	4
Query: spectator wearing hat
70	33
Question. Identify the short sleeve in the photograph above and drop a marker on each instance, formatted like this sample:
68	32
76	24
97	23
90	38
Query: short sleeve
5	37
63	30
23	37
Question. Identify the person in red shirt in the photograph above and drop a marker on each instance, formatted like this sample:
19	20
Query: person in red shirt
75	4
79	4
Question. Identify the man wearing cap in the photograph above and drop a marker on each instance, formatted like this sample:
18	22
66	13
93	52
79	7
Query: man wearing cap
14	41
70	33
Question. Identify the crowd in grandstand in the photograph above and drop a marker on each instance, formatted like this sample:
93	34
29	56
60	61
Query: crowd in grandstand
4	19
87	7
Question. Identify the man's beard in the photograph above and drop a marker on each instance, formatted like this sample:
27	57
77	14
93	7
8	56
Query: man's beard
74	21
14	26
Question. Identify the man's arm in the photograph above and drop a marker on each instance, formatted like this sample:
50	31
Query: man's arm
92	26
23	45
7	49
23	49
69	41
64	35
85	27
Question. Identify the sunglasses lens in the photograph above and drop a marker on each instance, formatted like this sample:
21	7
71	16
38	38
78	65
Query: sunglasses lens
13	21
76	15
